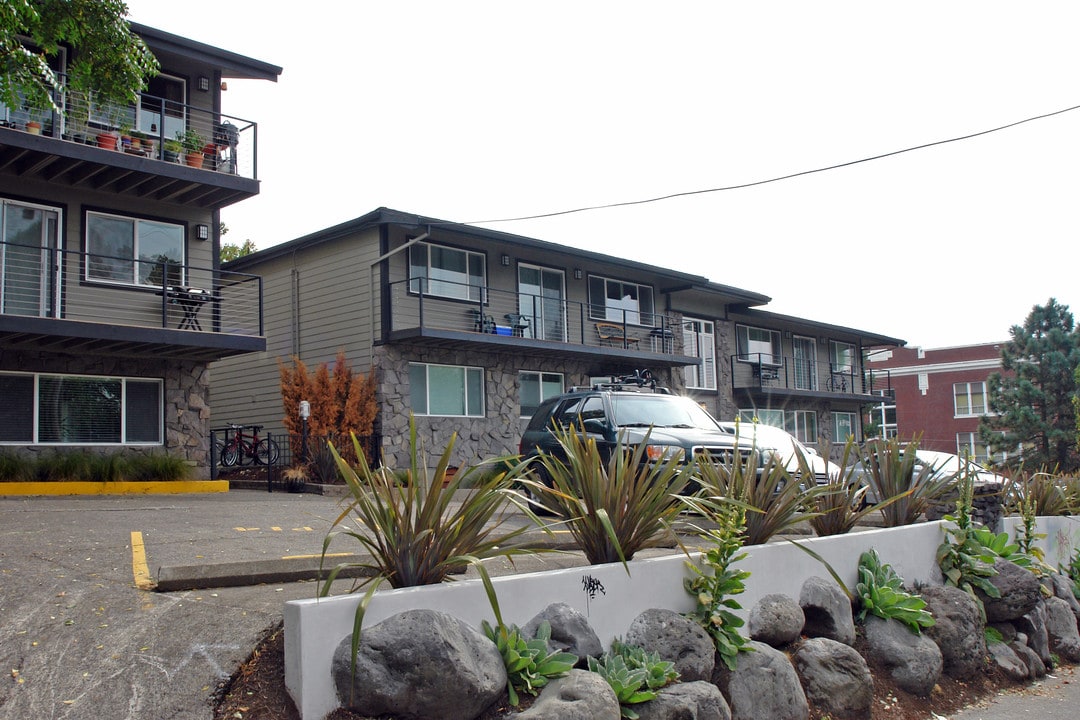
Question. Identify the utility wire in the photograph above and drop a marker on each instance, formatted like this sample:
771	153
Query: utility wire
688	193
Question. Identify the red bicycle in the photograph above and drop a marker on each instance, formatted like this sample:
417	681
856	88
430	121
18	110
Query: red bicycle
240	446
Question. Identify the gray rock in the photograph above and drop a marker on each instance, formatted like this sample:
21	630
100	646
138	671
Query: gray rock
835	678
1034	626
570	631
1061	629
827	611
698	700
1007	630
1062	588
1008	662
1035	666
581	695
763	685
957	630
914	661
776	620
420	664
1020	592
677	639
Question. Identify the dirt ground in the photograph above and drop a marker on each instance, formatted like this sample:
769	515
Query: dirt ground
257	692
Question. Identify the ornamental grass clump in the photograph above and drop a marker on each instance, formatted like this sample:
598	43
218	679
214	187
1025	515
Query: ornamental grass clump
893	471
612	508
1046	493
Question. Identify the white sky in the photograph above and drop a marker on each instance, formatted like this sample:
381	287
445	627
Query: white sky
469	111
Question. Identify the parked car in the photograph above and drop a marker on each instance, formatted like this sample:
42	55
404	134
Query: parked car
610	413
786	447
942	465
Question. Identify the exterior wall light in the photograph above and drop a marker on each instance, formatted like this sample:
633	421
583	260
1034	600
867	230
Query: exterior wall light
202	232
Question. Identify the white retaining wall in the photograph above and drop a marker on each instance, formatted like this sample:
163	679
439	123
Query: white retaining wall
610	598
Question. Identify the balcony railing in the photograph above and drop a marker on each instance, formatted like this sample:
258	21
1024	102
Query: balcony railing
154	128
37	282
767	372
486	312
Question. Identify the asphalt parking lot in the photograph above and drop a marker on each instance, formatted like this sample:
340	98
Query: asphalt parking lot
82	639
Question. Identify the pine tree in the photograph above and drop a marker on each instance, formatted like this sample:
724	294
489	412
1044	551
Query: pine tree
1031	402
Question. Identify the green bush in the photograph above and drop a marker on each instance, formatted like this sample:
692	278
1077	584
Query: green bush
82	466
964	559
881	592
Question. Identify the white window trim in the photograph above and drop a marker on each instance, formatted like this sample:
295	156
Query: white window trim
426	281
708	340
135	250
540	374
967	385
465	377
599	310
837	440
123	411
753	357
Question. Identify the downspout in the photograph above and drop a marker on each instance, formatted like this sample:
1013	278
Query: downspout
371	285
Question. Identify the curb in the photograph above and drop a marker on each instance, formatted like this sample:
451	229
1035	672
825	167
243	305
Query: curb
122	487
253	572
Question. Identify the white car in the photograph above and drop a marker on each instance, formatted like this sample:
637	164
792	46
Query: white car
768	438
942	465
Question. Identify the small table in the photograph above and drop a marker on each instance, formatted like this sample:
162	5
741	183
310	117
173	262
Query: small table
190	301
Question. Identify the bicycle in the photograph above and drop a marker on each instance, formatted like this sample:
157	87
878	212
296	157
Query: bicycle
242	445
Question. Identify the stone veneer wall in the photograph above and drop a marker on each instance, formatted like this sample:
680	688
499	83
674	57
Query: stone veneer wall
186	393
496	434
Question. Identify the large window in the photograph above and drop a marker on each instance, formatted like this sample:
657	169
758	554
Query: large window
133	251
842	357
446	272
537	387
449	390
800	423
970	445
699	341
758	345
844	427
969	399
79	410
621	302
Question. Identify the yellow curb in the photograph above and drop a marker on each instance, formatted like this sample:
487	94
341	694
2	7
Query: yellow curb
123	487
143	581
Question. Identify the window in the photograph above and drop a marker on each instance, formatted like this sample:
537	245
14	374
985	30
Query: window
758	345
446	272
621	302
842	357
800	423
970	445
79	410
699	341
449	390
763	416
165	97
969	399
883	418
537	387
843	427
133	251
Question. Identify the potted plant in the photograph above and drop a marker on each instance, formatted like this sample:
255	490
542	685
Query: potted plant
173	148
33	127
193	144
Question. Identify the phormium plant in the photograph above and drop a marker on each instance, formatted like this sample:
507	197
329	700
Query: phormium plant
892	471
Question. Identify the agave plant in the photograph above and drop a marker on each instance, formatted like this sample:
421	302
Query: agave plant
615	507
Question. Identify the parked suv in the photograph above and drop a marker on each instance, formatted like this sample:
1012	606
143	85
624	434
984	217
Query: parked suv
610	412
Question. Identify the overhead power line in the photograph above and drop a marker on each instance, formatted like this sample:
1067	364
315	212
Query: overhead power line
754	183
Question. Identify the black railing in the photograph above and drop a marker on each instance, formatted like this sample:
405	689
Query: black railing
284	461
87	287
764	371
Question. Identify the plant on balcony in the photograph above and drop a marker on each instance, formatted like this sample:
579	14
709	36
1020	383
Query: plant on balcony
173	148
193	144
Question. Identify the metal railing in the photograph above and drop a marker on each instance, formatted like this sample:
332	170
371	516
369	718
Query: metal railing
487	311
764	371
92	288
154	127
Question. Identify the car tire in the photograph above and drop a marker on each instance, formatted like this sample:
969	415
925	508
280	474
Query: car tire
540	475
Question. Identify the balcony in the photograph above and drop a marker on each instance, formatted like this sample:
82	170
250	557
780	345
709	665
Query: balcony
777	375
83	147
73	302
450	314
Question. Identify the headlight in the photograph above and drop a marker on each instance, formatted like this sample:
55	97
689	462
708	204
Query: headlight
660	453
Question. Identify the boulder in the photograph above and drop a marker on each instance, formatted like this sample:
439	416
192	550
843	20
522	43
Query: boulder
835	678
762	685
1061	629
1008	662
698	700
827	611
957	630
1020	592
776	620
420	664
1035	666
914	661
1033	625
570	631
580	695
1007	630
677	639
1061	587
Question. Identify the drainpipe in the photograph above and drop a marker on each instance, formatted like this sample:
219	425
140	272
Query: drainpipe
371	285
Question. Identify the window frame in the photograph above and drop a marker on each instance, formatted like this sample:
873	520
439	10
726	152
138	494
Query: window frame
694	340
967	394
124	411
837	362
179	279
540	379
602	312
853	419
742	346
466	371
472	293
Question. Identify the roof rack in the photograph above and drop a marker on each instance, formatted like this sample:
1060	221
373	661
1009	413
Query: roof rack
639	381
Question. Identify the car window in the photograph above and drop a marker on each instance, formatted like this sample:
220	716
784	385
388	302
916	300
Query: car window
642	410
577	410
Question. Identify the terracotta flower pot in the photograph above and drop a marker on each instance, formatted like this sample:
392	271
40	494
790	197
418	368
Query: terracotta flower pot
194	160
107	141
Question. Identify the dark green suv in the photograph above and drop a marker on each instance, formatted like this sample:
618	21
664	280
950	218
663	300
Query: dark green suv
608	413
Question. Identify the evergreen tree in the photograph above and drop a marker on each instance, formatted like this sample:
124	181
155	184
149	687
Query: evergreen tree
1032	403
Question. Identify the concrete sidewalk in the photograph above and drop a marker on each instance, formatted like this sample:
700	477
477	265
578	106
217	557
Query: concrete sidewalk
1056	697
